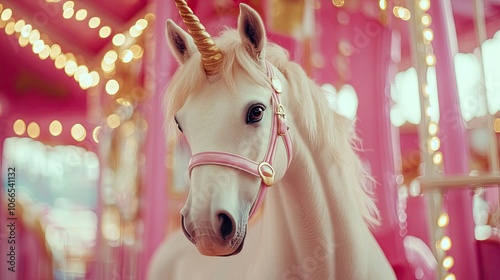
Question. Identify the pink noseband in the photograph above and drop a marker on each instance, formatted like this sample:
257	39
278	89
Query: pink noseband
264	169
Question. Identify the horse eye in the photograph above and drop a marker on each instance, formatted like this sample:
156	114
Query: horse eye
255	113
177	123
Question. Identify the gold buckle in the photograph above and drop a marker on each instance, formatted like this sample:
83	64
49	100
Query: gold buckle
280	111
267	176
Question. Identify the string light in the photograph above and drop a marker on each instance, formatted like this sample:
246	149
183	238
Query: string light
426	20
118	39
67	61
19	127
448	262
382	4
78	132
34	36
127	56
68	13
94	22
6	14
55	50
445	243
95	133
338	3
55	128
68	5
401	12
26	30
437	158
443	220
33	130
81	14
424	5
113	121
112	87
450	276
104	32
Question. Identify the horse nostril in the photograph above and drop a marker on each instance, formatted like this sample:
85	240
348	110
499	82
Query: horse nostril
226	226
186	233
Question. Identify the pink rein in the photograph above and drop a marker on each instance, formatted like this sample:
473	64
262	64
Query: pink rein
264	169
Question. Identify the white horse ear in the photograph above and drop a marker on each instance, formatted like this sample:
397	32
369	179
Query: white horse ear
252	32
180	42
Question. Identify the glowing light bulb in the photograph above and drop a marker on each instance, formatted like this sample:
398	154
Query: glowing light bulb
6	14
55	50
496	125
34	36
450	276
437	158
445	243
68	13
95	78
80	71
112	87
78	132
26	30
60	61
113	121
19	127
433	128
94	22
44	54
127	56
118	39
434	143
9	28
338	3
382	4
141	24
23	42
85	81
430	59
95	133
68	5
55	128
70	67
426	20
134	32
33	130
448	262
137	51
104	32
81	14
38	46
428	34
19	25
110	57
443	220
424	5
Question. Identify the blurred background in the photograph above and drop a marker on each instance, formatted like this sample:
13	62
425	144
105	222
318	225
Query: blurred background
97	187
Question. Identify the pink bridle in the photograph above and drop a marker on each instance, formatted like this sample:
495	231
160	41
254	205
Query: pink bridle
264	169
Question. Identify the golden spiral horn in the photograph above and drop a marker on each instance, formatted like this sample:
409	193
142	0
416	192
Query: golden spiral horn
211	55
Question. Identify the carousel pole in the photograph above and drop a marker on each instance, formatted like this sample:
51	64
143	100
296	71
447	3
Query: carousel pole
458	261
434	198
481	36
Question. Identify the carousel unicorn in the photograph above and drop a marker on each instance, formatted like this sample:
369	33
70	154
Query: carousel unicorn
241	105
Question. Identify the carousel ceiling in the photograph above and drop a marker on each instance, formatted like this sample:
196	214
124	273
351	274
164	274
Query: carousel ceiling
82	31
85	31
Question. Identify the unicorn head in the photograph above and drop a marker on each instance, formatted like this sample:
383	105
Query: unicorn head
226	101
